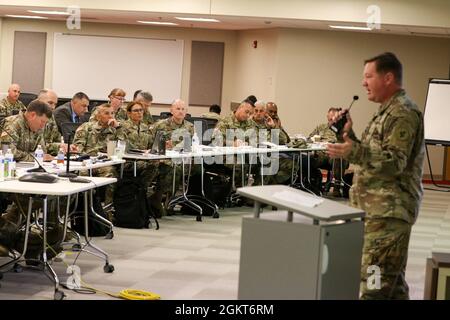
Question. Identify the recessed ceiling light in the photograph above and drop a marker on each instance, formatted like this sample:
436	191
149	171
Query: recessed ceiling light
198	19
351	28
50	12
24	17
159	22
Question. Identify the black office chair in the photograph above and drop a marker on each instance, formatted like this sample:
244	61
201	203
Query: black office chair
26	98
156	117
69	128
165	115
201	126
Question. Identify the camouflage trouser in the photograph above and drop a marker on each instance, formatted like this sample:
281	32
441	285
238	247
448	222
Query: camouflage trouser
164	179
385	246
282	171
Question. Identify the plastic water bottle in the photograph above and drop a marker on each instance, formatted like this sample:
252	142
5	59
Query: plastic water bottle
60	156
9	164
2	166
39	154
195	142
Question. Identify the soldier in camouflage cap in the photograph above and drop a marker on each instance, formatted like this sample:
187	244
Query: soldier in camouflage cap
175	129
387	184
325	134
139	136
11	104
92	137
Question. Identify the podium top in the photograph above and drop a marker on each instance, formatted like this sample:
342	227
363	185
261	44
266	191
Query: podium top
313	207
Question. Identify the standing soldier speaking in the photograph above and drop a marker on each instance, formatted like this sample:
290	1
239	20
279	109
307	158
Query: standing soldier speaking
387	183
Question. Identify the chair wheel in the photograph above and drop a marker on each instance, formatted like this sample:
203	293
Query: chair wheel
109	235
199	218
76	247
59	295
17	268
108	268
216	215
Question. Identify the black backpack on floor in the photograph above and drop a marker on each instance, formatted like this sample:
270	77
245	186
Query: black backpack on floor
96	228
217	185
131	207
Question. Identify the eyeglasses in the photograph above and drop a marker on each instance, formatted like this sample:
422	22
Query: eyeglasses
119	98
137	110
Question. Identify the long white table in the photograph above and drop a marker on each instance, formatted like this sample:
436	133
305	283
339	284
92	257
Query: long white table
209	153
63	187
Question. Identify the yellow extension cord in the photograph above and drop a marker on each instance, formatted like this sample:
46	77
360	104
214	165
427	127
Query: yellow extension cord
128	294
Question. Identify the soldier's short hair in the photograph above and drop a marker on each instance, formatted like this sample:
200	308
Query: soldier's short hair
103	106
388	62
80	96
40	108
215	108
147	96
334	109
136	94
131	104
117	92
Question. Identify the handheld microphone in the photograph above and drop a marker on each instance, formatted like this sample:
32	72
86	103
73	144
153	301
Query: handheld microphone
339	125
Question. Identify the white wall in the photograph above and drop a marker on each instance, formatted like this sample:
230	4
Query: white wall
314	70
51	27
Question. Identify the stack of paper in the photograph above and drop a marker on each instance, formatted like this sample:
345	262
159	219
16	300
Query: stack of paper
298	198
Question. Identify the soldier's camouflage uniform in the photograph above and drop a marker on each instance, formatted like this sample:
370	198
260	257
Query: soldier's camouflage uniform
7	108
226	132
52	137
121	114
283	173
22	141
211	115
91	138
337	166
174	132
388	187
140	136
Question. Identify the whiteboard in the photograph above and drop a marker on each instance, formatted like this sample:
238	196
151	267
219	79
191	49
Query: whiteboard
95	65
437	112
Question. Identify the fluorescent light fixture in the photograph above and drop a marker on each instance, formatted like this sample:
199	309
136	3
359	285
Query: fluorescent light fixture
159	22
351	28
198	19
50	12
24	17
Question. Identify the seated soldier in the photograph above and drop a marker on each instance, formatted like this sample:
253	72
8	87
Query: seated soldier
116	101
323	133
237	129
214	113
139	136
92	137
23	133
145	99
11	104
175	129
282	171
